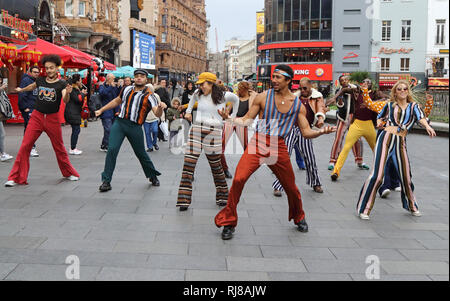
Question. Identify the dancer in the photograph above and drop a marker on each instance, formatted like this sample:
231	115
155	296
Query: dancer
278	110
362	125
344	101
44	119
135	103
399	113
206	134
312	100
246	97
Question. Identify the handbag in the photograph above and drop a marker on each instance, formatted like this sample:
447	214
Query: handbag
6	109
85	110
164	129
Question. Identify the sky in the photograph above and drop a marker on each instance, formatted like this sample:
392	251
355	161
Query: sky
232	18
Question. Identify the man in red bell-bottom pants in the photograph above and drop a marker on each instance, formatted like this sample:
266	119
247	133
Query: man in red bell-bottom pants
44	118
278	110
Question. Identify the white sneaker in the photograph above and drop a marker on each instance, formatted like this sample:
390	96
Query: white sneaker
398	189
364	216
10	184
73	178
75	152
34	153
385	193
416	213
5	157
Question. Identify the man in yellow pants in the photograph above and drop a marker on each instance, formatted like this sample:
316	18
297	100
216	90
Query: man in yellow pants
363	125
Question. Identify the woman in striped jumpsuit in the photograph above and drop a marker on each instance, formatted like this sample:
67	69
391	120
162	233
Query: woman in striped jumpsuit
400	114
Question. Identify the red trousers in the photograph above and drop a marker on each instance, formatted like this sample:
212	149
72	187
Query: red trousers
228	129
273	152
39	123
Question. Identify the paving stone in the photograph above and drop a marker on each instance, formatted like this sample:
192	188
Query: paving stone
362	277
308	277
434	244
296	252
124	235
214	263
152	247
122	274
21	242
38	272
426	255
388	243
265	264
439	277
195	275
6	269
335	266
78	245
362	254
322	242
415	267
224	250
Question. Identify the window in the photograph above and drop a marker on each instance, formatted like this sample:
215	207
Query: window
69	8
352	11
94	14
385	64
404	64
386	31
406	30
164	37
82	9
352	29
351	47
440	32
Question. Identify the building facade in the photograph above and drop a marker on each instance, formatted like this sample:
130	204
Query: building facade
181	42
352	26
232	48
93	26
217	64
137	17
399	48
437	58
298	33
247	59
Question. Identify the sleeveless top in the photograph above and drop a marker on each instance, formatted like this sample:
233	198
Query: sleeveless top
275	123
310	115
243	108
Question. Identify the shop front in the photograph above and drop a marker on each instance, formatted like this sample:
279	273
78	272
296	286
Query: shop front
321	75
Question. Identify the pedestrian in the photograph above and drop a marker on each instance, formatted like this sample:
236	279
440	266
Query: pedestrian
175	90
397	116
362	125
44	119
344	101
312	100
28	99
72	113
5	109
151	126
206	135
163	92
188	93
246	96
279	110
175	122
108	91
135	103
120	84
127	81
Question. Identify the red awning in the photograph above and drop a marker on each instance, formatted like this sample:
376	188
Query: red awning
69	58
108	66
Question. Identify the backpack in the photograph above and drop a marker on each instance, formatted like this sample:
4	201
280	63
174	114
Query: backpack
6	110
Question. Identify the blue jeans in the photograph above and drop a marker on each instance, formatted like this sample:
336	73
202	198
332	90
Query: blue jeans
151	133
107	123
74	138
391	179
298	157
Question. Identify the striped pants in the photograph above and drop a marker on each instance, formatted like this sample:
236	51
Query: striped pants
307	152
242	134
209	139
388	146
342	128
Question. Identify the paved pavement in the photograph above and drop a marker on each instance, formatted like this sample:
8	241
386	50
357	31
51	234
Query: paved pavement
135	232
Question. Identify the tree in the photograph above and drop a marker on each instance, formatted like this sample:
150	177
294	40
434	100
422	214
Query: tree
359	76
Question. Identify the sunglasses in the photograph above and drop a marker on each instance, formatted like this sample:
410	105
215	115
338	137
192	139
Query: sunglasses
402	89
304	88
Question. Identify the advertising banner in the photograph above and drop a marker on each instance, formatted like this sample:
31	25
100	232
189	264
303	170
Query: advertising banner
143	51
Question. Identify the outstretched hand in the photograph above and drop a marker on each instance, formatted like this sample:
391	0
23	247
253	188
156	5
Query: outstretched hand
69	88
224	113
328	130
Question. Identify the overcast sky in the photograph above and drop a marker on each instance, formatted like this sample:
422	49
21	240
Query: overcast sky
233	18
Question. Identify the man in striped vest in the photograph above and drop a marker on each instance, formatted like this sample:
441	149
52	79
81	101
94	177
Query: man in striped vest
135	103
279	110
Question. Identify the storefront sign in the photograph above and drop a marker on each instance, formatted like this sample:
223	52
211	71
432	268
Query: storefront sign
143	50
387	50
16	23
320	72
438	82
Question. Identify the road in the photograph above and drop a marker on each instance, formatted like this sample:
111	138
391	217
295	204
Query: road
134	232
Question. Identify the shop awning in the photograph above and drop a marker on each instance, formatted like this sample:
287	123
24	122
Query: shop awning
108	66
69	58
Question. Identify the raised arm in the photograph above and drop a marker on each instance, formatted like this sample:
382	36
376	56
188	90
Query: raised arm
306	130
233	99
28	88
376	106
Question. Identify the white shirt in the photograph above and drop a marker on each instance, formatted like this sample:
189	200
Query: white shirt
207	110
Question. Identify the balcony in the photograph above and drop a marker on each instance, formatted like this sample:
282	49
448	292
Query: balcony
144	27
164	46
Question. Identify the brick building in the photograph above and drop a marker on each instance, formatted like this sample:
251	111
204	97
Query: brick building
181	41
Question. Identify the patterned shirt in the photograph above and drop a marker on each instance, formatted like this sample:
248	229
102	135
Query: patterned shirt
136	104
